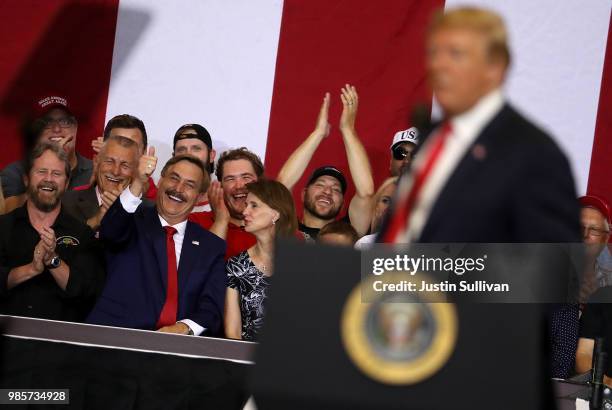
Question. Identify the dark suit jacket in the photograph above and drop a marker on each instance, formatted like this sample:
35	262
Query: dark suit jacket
81	204
137	272
520	190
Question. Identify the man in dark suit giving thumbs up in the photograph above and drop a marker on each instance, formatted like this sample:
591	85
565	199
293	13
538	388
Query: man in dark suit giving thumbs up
165	273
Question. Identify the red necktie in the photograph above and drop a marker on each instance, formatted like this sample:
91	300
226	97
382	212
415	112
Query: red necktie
398	225
168	313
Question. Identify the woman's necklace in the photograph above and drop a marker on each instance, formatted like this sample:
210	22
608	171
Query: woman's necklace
258	262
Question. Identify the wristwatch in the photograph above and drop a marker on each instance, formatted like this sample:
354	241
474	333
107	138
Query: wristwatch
54	263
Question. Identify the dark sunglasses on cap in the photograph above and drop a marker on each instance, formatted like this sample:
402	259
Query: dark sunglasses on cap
400	153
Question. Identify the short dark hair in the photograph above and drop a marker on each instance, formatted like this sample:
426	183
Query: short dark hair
236	154
178	158
121	140
126	121
277	196
340	228
40	149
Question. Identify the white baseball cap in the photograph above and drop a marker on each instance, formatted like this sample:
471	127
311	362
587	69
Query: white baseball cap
409	135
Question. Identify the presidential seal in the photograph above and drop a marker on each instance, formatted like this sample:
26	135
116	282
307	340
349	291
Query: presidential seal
398	338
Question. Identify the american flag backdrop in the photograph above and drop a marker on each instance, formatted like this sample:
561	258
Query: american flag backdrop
254	72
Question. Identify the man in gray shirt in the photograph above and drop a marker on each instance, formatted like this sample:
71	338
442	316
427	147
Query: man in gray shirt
54	123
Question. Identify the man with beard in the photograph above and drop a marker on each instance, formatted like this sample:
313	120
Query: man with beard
323	196
55	123
567	350
165	273
235	169
115	165
50	265
595	322
194	140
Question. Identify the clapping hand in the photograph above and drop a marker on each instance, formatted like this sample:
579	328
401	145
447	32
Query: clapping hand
217	202
350	102
323	127
39	256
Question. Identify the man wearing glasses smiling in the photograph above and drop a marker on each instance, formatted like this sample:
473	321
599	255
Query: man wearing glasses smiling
54	123
595	223
403	148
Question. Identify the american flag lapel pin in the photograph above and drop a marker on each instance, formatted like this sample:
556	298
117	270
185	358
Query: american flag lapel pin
479	152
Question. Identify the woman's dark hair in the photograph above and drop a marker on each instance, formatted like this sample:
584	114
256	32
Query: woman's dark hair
277	196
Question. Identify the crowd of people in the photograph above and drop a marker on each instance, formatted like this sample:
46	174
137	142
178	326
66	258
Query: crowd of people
99	241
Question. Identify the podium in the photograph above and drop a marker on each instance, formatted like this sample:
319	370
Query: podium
115	368
497	361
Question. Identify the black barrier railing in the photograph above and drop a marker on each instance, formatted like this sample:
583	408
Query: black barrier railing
127	339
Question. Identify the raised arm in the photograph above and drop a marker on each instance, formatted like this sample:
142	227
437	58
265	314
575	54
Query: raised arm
297	162
359	164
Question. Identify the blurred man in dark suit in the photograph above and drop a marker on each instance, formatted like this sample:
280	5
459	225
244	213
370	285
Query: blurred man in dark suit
485	173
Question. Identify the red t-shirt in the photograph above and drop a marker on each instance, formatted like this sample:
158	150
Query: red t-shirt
152	191
237	239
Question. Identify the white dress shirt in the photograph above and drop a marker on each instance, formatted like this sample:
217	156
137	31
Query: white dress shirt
130	203
465	128
98	195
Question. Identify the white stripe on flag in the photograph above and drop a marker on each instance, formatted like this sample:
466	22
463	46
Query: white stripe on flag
208	62
558	50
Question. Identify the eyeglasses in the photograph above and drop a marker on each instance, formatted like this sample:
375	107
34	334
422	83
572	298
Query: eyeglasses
591	231
399	153
64	122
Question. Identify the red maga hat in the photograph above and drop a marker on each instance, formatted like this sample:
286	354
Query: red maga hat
598	203
44	104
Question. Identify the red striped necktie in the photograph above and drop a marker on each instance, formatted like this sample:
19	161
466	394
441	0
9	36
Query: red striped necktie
399	223
168	313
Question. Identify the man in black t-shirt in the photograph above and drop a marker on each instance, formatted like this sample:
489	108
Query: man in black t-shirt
50	263
323	195
323	198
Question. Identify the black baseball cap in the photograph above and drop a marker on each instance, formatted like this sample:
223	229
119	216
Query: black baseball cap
201	134
332	172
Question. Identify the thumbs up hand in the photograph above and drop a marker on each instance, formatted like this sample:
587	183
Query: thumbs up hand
147	164
146	167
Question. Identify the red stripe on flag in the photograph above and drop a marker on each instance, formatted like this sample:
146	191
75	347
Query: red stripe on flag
377	47
601	163
63	47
